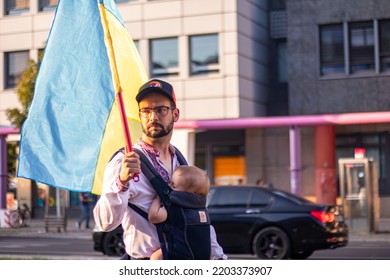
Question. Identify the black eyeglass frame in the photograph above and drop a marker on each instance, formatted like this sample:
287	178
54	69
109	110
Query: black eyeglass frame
161	111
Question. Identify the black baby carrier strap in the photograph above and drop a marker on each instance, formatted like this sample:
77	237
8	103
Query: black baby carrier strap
186	232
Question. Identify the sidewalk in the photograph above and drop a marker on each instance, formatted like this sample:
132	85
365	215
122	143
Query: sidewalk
37	228
382	235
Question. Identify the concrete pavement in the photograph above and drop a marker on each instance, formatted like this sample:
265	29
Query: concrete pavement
36	227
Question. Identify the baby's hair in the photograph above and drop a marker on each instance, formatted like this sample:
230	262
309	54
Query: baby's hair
194	179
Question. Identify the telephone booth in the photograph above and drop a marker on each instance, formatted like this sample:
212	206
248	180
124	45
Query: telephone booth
359	193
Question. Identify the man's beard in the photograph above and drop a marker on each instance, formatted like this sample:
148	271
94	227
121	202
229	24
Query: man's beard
158	134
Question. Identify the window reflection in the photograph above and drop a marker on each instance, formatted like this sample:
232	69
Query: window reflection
332	49
15	7
362	47
15	64
204	55
47	5
164	57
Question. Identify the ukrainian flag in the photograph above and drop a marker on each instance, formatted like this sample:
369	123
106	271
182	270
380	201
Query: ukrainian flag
74	123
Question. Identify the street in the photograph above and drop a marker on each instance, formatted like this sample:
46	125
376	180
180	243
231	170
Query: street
377	250
49	248
82	248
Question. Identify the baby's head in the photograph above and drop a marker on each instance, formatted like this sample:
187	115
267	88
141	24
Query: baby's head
192	179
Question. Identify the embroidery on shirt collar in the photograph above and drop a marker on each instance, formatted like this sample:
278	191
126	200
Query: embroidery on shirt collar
154	155
148	148
151	150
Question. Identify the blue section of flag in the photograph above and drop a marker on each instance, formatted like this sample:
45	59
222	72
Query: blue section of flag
112	8
61	138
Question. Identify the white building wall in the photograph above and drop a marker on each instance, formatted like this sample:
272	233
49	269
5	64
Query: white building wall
239	89
231	93
24	32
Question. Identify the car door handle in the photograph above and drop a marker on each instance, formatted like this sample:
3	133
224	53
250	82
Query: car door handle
252	211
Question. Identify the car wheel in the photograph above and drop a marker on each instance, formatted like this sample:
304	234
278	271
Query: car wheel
301	255
113	243
271	243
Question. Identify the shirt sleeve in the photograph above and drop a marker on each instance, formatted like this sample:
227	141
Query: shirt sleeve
216	249
112	204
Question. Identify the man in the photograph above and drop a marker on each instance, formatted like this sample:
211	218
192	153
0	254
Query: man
158	113
85	205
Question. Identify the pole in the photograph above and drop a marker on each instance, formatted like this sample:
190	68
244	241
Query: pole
295	160
118	88
3	172
58	202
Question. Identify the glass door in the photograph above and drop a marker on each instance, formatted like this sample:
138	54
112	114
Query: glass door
355	193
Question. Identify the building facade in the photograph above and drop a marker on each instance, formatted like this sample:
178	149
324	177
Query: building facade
338	62
230	59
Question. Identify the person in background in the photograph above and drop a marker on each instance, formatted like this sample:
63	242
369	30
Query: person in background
85	205
260	182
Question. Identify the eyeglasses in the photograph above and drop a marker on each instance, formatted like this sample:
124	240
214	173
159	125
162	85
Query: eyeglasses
161	111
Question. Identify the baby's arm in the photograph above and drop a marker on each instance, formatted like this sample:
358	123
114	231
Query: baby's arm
157	212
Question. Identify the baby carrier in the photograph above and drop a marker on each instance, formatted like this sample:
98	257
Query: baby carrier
185	235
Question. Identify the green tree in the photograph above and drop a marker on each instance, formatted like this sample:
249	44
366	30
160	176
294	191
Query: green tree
17	116
25	93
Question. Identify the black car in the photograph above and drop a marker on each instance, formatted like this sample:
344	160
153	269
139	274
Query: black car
109	243
273	224
269	223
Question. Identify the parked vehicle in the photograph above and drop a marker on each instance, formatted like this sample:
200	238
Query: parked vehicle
269	223
109	243
273	224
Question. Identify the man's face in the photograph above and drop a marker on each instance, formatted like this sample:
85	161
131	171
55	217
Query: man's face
158	116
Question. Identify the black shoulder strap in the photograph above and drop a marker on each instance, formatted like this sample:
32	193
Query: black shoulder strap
180	157
121	150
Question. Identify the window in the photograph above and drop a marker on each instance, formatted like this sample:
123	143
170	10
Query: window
136	43
332	49
361	47
260	199
281	49
137	46
355	44
164	57
15	64
204	57
14	7
384	45
47	5
230	197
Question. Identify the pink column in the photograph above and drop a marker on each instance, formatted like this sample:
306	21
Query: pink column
3	172
325	164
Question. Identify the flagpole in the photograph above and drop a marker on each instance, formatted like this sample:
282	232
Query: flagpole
118	88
